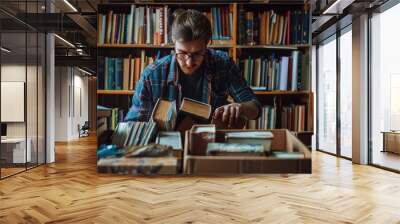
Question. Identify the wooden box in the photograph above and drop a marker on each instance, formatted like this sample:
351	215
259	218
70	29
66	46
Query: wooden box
284	142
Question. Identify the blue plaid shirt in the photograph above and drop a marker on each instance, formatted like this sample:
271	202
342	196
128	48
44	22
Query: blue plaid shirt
160	79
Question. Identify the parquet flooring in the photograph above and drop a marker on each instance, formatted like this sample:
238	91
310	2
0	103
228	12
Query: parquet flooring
70	191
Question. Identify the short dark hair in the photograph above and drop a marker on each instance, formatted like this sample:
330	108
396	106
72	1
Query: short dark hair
190	25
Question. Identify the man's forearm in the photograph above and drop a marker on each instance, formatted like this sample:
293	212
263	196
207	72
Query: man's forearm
250	109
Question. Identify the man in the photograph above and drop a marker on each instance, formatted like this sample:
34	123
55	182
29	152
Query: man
195	72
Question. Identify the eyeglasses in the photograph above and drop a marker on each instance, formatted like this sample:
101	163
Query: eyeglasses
185	56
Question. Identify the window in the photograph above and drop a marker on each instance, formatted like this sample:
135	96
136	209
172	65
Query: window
346	93
326	96
385	84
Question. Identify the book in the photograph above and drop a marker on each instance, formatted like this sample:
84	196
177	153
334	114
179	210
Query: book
164	114
199	137
195	108
288	155
251	137
235	149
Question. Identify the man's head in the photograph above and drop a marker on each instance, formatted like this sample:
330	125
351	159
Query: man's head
191	32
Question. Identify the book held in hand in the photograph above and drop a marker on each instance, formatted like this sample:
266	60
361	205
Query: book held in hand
192	112
164	114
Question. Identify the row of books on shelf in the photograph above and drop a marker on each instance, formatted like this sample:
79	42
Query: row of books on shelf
273	73
142	25
152	25
122	73
292	118
273	28
221	19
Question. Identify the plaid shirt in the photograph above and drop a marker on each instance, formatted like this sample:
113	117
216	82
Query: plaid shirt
160	79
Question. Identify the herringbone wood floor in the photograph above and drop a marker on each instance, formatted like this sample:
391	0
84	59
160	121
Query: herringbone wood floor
70	191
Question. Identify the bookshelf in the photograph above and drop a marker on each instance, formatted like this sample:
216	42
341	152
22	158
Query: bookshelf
281	45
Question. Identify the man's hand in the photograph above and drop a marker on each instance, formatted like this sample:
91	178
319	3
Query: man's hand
233	113
229	113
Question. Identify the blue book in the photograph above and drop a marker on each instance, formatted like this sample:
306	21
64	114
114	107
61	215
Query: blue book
103	28
214	16
101	74
118	73
283	73
306	27
111	73
219	28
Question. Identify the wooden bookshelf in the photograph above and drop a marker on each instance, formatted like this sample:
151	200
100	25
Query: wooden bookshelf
235	49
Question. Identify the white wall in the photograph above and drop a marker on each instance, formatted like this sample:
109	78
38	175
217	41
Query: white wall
71	102
34	124
16	73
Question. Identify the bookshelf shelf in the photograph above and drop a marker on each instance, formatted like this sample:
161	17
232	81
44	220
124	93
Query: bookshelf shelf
258	92
278	47
115	92
134	46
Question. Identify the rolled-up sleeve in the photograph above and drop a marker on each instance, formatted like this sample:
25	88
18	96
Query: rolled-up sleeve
239	89
142	103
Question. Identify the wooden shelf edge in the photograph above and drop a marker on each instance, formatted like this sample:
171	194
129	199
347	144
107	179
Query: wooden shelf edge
261	92
278	47
303	132
167	46
115	92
